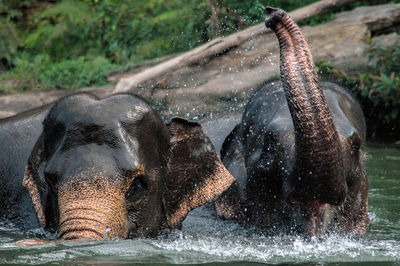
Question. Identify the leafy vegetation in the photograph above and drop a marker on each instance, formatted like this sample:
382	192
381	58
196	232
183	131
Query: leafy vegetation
43	74
377	87
62	35
379	90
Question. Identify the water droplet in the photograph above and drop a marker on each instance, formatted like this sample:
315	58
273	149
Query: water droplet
108	233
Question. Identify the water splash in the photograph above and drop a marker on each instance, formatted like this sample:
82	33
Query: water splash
207	239
108	233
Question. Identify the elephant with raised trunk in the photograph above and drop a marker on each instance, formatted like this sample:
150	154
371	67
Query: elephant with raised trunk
297	153
91	168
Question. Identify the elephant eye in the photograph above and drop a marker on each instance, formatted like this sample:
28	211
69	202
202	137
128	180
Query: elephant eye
137	189
355	144
53	134
51	179
355	147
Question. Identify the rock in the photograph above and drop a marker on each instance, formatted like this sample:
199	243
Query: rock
388	40
7	113
16	103
377	18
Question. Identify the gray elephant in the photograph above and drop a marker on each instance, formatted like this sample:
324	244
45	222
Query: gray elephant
89	168
297	153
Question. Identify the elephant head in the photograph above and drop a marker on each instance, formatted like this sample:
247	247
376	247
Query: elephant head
112	168
301	148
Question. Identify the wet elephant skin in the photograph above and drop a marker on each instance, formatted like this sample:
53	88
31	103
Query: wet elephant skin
91	168
297	155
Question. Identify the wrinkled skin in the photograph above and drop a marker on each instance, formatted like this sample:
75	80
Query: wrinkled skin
92	169
297	153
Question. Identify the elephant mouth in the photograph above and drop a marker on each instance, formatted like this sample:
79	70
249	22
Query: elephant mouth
87	224
317	217
82	228
83	234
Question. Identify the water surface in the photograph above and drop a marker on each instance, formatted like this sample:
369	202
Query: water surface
205	239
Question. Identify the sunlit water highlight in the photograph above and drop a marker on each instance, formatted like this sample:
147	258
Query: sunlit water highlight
206	239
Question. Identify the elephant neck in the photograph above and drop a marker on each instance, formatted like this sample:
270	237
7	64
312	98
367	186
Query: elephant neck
318	172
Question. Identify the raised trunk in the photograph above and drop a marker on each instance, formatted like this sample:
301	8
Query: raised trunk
318	171
88	214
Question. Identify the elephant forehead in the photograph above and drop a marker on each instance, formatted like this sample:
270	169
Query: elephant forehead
81	108
91	179
100	113
87	120
100	159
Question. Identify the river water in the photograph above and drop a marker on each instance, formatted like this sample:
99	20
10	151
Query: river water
205	239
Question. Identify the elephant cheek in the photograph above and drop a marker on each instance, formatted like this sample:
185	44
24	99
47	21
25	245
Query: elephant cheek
92	214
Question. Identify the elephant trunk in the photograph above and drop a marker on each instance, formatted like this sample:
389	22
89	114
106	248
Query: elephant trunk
91	212
318	171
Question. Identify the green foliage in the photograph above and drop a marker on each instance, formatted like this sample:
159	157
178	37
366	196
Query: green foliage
377	87
9	42
325	69
77	73
132	31
223	17
60	36
381	84
60	30
41	73
319	19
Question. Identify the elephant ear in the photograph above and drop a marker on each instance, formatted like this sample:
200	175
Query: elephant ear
230	204
34	181
195	174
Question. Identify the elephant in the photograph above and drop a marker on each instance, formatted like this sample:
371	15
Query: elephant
297	153
88	168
